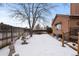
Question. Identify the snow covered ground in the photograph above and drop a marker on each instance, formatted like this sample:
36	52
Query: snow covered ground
4	51
40	45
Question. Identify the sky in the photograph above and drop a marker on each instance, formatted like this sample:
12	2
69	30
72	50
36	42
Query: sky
5	15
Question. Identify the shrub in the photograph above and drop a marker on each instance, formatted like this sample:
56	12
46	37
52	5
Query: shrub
49	30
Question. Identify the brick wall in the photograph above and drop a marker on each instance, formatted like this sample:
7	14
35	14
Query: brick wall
74	8
64	23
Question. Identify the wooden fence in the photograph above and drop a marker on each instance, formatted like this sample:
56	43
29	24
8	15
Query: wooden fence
9	33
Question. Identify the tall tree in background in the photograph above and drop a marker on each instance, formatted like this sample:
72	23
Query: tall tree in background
32	12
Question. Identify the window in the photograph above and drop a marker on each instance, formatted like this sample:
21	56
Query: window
58	26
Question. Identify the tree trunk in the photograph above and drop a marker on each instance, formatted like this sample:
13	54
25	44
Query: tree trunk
31	32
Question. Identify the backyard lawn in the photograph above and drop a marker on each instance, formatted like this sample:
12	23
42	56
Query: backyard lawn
40	45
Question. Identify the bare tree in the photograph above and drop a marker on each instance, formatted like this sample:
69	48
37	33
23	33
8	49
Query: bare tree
32	12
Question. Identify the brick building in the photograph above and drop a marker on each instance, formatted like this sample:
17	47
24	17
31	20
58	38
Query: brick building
69	24
59	21
74	9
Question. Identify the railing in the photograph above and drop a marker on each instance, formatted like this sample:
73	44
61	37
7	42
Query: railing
75	39
71	36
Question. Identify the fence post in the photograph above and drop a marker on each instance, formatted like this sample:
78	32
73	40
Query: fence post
2	34
62	40
78	45
11	47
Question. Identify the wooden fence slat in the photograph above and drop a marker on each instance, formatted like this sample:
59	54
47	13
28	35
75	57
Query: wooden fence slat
78	45
9	33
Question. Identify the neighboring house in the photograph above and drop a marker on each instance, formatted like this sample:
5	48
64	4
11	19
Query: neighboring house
68	24
39	27
60	21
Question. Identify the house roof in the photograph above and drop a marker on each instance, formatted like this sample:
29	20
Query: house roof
57	15
71	16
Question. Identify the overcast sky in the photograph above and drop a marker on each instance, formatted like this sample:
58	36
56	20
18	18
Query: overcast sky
4	15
